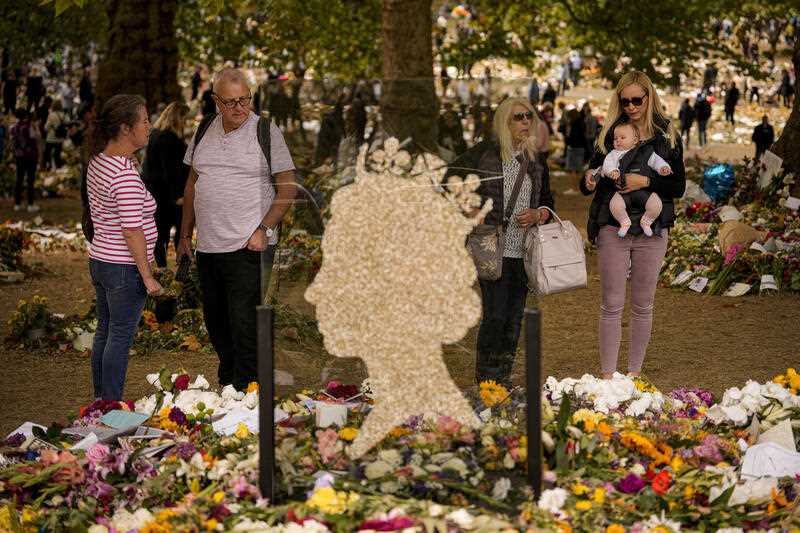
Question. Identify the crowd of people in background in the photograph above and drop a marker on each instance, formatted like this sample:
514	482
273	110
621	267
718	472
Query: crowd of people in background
51	102
43	106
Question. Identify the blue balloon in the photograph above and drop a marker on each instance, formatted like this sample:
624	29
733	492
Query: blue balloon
718	181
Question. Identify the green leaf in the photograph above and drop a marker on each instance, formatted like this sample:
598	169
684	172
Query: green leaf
564	412
164	377
63	5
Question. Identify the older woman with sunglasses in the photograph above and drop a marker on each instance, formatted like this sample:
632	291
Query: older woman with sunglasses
634	102
498	162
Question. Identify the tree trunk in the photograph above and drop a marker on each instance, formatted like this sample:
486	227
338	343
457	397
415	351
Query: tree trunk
409	106
788	146
141	55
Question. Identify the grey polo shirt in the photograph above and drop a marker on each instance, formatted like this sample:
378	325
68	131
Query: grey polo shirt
233	191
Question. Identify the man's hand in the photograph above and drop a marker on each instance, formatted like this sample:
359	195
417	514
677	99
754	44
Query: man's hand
257	241
634	182
665	171
184	249
179	201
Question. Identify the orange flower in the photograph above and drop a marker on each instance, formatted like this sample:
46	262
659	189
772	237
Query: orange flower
661	482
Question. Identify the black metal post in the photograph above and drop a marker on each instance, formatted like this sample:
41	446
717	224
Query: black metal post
267	259
266	407
533	377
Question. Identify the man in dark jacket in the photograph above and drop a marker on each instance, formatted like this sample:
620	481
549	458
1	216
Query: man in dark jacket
34	89
686	116
731	99
702	111
763	137
85	89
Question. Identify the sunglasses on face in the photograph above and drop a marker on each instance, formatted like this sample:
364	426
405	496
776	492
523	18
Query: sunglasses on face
519	117
243	101
636	101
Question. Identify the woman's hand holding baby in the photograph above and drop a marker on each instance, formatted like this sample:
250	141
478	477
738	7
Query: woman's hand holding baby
634	182
588	180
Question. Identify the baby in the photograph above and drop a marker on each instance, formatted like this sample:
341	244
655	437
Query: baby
626	137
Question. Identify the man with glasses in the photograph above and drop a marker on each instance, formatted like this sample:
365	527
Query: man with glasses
231	194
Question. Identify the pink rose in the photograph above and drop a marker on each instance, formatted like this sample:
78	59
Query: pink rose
448	425
326	444
97	453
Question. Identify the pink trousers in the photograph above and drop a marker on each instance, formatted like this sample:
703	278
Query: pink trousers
645	255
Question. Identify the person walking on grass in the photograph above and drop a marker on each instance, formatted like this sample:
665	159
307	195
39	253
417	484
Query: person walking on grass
237	196
124	234
55	129
702	111
731	99
25	144
686	117
763	137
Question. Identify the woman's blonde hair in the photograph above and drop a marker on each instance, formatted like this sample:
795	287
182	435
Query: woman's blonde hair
172	118
502	132
654	118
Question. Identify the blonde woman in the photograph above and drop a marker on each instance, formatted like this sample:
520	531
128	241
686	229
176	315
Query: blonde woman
498	161
165	174
636	102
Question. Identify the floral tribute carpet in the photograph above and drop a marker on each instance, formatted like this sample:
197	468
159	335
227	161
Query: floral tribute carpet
619	456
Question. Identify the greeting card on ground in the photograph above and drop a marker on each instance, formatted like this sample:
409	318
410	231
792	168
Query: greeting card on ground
119	419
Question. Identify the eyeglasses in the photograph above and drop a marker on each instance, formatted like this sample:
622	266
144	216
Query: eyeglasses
636	101
243	101
518	117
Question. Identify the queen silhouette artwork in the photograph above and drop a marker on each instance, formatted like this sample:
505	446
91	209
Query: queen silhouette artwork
396	282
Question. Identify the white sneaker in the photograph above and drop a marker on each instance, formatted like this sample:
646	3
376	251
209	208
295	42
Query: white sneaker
32	208
17	207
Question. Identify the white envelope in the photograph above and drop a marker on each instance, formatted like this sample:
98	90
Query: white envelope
737	289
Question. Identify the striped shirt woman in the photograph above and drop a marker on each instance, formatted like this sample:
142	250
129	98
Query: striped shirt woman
118	199
124	237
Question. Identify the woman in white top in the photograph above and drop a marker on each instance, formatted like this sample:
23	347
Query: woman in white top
56	131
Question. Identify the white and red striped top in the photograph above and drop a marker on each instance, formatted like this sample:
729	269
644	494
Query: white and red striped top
118	199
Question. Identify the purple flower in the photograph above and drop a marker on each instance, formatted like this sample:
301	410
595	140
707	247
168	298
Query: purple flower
100	490
631	484
184	450
731	254
177	416
115	462
709	449
390	524
143	469
15	440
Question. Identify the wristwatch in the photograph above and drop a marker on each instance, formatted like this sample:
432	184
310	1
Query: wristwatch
269	232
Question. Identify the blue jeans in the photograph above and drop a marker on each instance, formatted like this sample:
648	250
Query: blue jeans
701	132
120	302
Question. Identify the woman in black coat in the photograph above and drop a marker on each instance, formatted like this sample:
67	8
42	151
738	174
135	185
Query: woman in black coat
498	162
165	175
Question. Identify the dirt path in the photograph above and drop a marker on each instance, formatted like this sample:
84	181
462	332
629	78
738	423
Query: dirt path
710	342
